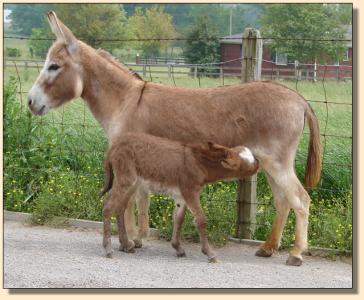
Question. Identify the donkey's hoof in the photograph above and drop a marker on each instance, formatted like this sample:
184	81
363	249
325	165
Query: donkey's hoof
138	243
128	248
213	260
294	261
263	253
109	255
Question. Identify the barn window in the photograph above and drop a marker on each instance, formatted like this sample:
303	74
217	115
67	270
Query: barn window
346	56
281	59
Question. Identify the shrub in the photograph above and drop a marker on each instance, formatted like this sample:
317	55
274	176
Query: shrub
67	194
12	52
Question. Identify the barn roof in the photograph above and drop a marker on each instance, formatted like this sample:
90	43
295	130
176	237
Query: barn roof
237	38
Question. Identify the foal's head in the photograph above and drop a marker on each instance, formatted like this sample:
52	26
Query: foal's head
61	77
239	160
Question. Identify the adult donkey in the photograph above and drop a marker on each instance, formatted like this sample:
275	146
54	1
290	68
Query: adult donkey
266	117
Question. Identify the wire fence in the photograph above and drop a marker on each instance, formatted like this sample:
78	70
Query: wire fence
71	137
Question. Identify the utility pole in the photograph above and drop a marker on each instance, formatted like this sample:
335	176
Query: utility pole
231	20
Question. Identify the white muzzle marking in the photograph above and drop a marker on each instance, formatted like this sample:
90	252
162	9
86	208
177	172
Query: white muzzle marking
40	101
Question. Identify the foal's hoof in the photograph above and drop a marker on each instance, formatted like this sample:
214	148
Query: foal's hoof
181	254
138	243
213	260
263	253
294	261
108	255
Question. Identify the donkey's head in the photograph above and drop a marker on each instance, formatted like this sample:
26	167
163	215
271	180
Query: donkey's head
61	77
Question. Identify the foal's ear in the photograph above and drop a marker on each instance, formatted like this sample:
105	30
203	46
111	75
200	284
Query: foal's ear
216	147
230	163
61	31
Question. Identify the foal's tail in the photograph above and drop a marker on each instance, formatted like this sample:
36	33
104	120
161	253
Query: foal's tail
313	164
109	176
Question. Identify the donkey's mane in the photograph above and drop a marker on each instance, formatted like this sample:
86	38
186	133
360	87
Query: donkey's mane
111	59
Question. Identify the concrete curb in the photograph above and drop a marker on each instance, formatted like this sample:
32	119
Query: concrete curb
154	233
312	251
79	223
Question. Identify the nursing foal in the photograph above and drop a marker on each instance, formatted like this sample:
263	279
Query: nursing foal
161	165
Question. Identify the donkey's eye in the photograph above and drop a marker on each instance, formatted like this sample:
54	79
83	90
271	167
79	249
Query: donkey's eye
53	67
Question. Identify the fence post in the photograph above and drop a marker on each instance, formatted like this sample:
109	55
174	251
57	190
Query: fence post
246	199
195	73
221	75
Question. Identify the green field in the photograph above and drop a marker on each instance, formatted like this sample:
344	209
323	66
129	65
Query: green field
53	164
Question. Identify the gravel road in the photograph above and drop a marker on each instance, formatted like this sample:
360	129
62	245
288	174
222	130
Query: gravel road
44	257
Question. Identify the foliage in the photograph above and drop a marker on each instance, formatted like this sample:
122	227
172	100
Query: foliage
41	40
68	194
283	22
153	23
24	17
12	52
93	22
202	45
89	22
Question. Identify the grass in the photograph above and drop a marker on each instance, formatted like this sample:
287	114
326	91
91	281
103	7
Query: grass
53	166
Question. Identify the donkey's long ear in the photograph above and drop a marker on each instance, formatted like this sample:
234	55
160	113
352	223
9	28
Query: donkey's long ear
61	31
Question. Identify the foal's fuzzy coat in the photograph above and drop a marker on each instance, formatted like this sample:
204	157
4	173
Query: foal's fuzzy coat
171	167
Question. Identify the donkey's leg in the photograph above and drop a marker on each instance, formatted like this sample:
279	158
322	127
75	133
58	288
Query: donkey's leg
178	218
282	210
299	200
302	213
142	200
120	221
106	213
124	194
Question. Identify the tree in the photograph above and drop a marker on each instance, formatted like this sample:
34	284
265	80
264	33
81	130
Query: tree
25	17
92	23
153	23
95	22
302	23
42	39
202	44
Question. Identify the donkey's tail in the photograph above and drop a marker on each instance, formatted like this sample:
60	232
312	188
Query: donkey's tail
313	164
109	176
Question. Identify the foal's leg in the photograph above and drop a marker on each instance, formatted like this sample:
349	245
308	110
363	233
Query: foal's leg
178	218
194	205
130	218
142	201
282	210
106	213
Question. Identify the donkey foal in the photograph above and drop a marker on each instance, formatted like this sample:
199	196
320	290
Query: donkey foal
162	165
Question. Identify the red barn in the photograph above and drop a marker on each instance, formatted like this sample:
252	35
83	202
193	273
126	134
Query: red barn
276	65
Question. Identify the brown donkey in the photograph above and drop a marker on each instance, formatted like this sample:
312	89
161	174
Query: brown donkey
267	118
161	165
